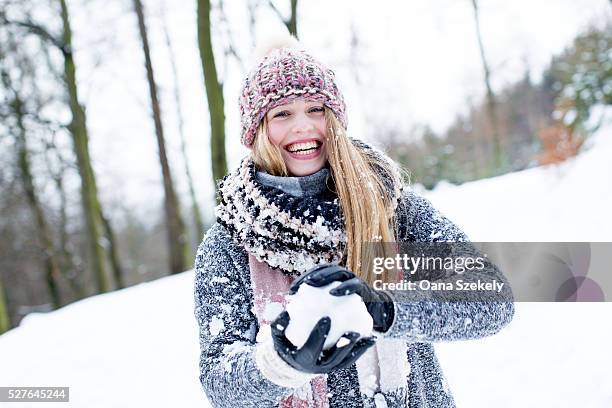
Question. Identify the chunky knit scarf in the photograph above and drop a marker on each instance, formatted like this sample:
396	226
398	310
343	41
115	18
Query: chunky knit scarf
290	233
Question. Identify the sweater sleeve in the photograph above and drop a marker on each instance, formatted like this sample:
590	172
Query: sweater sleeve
227	328
427	315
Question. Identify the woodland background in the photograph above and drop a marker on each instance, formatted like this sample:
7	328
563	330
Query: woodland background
107	178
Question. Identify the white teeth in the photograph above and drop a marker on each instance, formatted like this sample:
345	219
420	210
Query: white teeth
303	146
304	152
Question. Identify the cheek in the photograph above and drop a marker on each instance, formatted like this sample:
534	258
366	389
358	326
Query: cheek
276	133
321	126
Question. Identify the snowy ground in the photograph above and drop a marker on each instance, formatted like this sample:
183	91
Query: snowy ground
138	346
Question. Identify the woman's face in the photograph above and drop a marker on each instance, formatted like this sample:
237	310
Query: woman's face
298	129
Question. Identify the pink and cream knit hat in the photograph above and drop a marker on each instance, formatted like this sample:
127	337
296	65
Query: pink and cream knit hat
281	76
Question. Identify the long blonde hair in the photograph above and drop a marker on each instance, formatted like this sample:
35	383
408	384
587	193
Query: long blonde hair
367	205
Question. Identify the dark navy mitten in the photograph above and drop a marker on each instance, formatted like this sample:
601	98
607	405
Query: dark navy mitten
311	358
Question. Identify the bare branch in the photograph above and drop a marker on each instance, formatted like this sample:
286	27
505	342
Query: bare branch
35	29
230	49
277	11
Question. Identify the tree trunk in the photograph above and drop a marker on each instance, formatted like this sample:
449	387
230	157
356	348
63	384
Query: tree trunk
177	243
292	23
5	319
67	265
78	129
112	253
64	256
52	270
491	102
195	209
214	93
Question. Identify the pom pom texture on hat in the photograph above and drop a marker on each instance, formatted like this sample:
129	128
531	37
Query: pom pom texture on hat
283	75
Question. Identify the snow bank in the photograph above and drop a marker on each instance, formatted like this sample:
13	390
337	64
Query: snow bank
134	347
570	202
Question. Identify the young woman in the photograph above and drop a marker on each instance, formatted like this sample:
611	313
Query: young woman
296	211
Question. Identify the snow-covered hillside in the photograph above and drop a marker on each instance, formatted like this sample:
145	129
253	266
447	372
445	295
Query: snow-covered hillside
570	202
138	346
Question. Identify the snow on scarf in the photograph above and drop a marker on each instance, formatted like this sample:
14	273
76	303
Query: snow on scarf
290	233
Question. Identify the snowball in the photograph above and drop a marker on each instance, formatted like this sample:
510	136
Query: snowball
310	304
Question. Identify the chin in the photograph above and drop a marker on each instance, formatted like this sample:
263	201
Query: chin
303	172
305	169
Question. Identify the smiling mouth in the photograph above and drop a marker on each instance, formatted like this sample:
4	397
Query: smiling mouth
304	148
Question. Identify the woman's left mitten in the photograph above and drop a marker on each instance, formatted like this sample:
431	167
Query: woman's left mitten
378	303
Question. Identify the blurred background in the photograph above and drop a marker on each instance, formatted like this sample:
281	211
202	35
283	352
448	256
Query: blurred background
117	118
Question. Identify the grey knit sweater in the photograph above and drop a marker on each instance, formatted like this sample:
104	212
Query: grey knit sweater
228	326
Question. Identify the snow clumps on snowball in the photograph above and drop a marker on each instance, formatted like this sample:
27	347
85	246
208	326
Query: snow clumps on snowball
310	304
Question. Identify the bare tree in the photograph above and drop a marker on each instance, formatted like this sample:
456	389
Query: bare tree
65	256
79	133
5	321
291	22
112	252
44	233
214	92
78	129
491	100
195	209
18	112
177	242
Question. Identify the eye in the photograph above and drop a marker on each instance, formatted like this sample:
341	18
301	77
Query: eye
316	109
280	114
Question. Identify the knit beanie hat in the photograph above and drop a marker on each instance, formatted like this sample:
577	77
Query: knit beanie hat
282	75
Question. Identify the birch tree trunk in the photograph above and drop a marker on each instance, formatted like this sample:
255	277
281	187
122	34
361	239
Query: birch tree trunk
214	93
177	242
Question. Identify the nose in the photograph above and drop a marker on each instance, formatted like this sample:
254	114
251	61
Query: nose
302	123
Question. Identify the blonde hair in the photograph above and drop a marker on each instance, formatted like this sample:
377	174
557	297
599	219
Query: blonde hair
267	156
367	205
